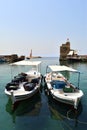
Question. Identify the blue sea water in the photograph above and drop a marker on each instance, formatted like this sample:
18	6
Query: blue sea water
42	112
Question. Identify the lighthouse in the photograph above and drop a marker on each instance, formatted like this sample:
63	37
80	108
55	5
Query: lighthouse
31	54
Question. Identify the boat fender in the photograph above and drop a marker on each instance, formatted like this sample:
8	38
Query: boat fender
75	103
12	93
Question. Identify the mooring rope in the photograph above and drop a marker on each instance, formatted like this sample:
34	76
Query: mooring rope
67	117
81	122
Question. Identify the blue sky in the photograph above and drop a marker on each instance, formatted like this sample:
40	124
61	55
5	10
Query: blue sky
42	25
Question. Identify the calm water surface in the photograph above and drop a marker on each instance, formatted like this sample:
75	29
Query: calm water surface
42	112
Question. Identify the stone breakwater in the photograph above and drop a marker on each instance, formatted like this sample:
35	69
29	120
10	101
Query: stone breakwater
11	58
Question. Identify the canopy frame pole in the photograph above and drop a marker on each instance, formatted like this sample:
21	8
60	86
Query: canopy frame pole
78	79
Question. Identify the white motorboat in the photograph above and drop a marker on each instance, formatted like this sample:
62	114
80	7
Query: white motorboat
25	85
60	88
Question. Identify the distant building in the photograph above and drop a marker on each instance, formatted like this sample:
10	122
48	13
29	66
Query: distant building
68	54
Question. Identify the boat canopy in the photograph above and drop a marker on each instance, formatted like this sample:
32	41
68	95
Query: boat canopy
61	68
26	62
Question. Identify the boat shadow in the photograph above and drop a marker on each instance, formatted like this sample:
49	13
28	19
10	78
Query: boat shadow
28	107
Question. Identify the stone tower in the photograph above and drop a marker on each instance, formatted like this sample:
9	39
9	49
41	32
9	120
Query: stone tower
64	50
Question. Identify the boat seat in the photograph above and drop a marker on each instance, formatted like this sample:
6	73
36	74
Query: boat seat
58	78
61	91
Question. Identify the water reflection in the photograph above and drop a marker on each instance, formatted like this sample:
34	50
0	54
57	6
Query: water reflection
64	63
29	107
75	65
63	112
72	77
65	73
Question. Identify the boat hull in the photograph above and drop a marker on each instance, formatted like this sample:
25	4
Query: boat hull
25	84
69	102
21	94
65	98
60	87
